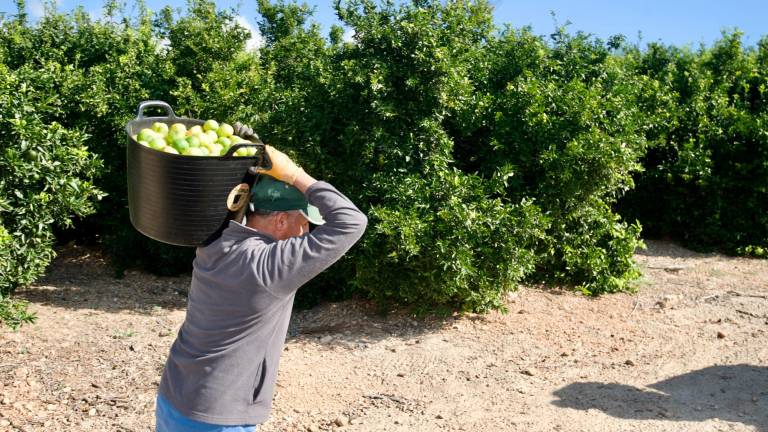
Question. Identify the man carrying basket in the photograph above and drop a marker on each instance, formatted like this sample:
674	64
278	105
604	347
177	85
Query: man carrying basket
222	367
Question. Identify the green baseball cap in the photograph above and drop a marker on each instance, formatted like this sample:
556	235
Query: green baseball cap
271	194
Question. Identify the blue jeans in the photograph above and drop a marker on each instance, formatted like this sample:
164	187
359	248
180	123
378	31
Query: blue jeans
167	419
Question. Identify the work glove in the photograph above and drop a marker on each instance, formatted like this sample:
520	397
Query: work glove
283	168
245	132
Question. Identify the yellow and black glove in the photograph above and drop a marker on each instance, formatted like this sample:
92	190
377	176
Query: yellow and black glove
283	168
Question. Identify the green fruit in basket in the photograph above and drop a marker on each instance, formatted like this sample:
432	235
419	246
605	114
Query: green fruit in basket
215	149
195	130
146	135
157	143
180	144
193	151
144	143
225	130
160	128
193	141
169	149
242	151
234	139
205	151
202	138
178	128
210	125
212	137
224	141
173	135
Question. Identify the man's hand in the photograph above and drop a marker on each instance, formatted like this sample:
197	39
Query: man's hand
245	132
283	168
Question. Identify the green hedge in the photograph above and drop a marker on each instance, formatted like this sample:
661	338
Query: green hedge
46	178
706	174
484	157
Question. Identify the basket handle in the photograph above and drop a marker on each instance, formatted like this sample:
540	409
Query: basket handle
235	147
154	103
263	161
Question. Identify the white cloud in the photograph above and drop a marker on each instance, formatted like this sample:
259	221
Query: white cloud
349	35
256	41
36	9
96	14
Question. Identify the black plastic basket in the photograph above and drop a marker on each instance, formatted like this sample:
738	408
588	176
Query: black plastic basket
182	200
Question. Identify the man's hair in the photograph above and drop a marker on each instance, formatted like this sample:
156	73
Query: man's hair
250	211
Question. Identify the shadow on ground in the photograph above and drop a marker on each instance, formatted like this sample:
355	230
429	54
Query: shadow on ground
736	393
81	278
668	249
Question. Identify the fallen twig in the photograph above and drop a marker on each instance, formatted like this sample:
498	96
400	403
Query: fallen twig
673	268
713	296
753	315
741	294
637	302
384	396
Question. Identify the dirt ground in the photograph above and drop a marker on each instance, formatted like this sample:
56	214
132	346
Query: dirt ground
688	352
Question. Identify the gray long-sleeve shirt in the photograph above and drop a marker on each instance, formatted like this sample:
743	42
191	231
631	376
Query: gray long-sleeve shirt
222	367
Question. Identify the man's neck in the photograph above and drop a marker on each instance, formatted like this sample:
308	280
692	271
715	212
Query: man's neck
258	224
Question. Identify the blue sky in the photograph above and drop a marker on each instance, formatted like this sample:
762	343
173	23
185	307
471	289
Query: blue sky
678	22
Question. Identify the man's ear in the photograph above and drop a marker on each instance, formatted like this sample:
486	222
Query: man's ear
282	220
